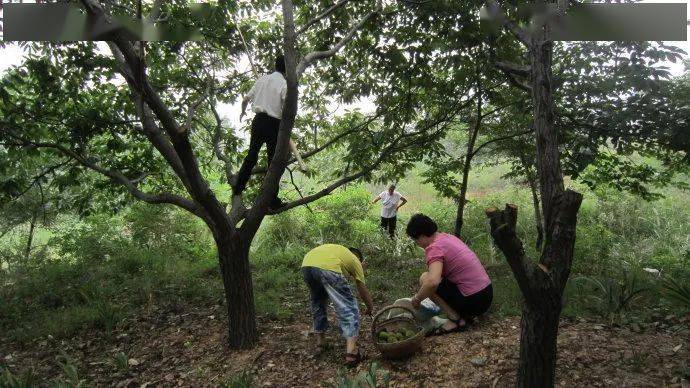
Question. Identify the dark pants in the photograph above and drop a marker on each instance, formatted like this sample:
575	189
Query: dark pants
389	225
264	130
467	307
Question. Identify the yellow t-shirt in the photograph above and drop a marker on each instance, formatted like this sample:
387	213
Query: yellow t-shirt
336	258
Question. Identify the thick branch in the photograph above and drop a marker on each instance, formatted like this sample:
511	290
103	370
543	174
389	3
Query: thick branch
515	82
315	55
322	15
514	68
502	224
198	187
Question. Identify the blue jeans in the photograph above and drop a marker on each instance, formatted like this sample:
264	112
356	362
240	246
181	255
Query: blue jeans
325	285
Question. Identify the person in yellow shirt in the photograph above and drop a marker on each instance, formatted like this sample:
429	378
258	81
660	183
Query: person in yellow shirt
323	269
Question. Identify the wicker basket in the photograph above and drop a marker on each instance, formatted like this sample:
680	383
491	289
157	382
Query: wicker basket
402	348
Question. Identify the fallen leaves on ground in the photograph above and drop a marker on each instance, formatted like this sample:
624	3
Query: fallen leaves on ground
187	348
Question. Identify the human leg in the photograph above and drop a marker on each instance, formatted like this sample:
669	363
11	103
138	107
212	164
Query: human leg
391	226
347	310
255	143
270	135
318	299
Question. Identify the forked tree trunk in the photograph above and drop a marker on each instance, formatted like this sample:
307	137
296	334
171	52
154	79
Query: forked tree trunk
233	256
541	285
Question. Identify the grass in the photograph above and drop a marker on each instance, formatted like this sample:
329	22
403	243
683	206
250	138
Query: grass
95	272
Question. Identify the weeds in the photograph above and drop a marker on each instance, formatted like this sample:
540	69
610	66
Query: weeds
70	371
366	379
677	292
613	297
243	380
26	379
121	362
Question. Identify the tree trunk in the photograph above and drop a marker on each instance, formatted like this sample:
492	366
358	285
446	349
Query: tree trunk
471	141
32	227
233	255
548	160
539	330
462	200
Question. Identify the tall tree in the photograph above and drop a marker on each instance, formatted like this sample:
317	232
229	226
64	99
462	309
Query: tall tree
145	118
541	283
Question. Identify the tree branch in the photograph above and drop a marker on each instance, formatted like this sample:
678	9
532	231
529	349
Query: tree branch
502	224
217	150
476	150
198	187
120	178
315	55
261	170
391	148
514	68
514	81
496	13
322	15
39	176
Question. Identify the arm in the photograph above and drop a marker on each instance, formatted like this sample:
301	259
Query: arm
378	198
404	201
295	152
363	292
429	283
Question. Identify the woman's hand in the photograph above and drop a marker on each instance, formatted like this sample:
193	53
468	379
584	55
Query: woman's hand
416	303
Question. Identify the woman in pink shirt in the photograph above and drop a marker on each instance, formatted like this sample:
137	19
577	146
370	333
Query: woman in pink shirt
456	280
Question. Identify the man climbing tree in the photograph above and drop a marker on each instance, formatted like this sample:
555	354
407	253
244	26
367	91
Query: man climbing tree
267	97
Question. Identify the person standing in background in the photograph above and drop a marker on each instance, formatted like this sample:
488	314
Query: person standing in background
391	201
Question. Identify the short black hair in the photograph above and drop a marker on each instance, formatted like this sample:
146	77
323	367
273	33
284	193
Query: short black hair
280	63
357	253
421	225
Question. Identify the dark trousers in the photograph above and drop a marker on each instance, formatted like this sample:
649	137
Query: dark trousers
467	307
264	130
389	224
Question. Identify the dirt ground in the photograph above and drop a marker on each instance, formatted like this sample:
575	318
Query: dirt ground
186	348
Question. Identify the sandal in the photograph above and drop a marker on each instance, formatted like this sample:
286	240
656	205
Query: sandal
457	329
352	359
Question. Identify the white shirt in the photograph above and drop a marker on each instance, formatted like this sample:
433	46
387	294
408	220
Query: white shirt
390	203
268	94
